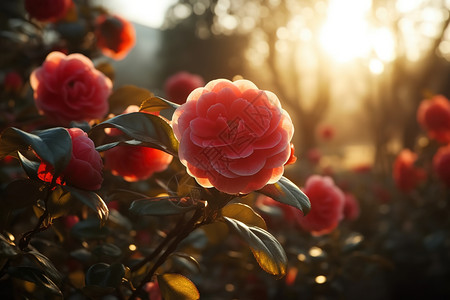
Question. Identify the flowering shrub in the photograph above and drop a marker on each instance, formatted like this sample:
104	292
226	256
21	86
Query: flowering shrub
178	86
69	88
434	116
441	164
115	36
47	10
233	136
85	166
327	205
407	176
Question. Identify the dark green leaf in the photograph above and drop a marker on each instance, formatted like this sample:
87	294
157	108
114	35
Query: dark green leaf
46	265
266	249
245	214
165	107
161	206
189	259
90	229
52	145
123	143
59	203
286	192
116	218
109	250
105	275
7	248
127	95
177	287
83	255
151	130
30	167
36	276
91	200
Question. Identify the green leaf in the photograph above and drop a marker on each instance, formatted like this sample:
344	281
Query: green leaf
189	259
7	248
161	206
91	200
30	167
165	107
108	250
267	251
245	214
52	145
286	192
36	276
105	275
46	265
177	287
90	229
125	96
59	203
149	129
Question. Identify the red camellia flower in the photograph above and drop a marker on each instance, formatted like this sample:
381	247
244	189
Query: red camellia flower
441	164
115	36
85	166
233	136
135	163
351	207
292	158
180	85
326	132
434	116
69	88
47	10
153	290
327	205
406	175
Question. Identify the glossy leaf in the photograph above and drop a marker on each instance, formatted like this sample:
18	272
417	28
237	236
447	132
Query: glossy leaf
165	107
245	214
90	229
267	251
161	206
46	265
7	248
127	95
109	250
286	192
188	258
52	145
149	129
30	167
91	200
177	287
36	276
105	275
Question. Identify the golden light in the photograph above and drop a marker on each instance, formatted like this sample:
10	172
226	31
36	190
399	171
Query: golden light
376	66
345	32
315	251
132	247
320	279
301	257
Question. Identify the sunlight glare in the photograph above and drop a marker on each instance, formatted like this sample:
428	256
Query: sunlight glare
345	33
376	66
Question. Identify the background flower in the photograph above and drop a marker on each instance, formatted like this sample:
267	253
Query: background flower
85	166
69	88
327	205
351	207
135	163
406	175
441	164
115	36
434	116
178	86
47	10
233	136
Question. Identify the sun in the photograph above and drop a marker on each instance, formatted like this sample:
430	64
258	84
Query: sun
347	34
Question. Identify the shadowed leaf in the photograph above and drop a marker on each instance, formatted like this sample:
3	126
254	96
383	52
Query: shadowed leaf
161	206
245	214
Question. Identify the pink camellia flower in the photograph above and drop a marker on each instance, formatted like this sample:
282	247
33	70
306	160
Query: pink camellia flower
69	88
434	116
327	205
135	163
314	156
292	158
441	164
407	176
85	166
115	36
351	207
47	10
12	82
233	136
326	132
180	85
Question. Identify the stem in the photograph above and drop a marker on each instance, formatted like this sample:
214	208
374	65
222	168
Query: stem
187	229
